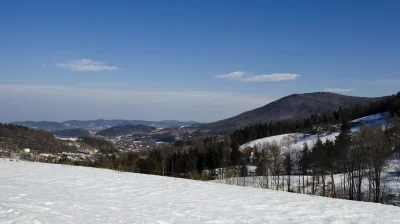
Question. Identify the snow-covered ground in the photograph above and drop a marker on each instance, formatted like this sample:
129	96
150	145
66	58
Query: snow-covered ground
49	193
69	139
300	138
373	117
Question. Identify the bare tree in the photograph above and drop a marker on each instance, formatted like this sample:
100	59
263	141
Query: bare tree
276	161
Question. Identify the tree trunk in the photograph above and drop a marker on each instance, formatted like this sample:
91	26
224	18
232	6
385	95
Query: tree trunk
333	186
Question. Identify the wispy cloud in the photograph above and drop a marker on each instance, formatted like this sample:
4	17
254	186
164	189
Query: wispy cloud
87	65
44	66
277	77
338	90
232	75
245	77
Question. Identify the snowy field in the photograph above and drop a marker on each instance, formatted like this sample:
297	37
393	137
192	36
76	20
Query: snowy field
49	193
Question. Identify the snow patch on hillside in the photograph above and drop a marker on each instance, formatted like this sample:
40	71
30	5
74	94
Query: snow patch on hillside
300	138
374	117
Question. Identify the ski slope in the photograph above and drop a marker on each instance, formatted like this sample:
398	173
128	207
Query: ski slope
297	145
372	120
49	193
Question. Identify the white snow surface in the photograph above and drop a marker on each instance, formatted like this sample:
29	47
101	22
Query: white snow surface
373	117
69	139
271	139
297	145
49	193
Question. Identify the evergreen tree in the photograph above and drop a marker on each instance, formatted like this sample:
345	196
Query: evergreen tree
304	162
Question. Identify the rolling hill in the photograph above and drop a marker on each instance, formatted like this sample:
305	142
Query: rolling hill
71	133
41	125
16	138
292	106
100	124
125	130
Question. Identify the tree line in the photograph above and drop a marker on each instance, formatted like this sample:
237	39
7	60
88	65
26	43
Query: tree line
356	159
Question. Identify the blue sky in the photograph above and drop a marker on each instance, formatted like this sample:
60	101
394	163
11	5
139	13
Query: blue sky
189	60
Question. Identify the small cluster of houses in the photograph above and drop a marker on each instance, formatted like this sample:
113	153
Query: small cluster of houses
136	142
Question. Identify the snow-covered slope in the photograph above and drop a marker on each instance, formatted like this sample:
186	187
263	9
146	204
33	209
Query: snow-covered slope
373	117
296	145
48	193
276	138
373	120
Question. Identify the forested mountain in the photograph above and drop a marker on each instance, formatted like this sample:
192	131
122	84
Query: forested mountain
293	106
125	130
389	104
100	124
15	137
71	133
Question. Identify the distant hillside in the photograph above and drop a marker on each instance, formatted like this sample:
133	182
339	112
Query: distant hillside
71	133
41	125
98	143
14	137
293	106
125	130
100	124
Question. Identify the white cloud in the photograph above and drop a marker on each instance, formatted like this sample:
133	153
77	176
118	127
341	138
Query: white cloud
232	75
36	102
337	90
271	77
244	77
87	65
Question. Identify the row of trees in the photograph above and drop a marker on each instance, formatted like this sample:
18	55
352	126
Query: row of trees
356	160
194	162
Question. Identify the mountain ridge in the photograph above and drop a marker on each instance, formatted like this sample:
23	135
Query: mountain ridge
99	124
126	129
298	105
